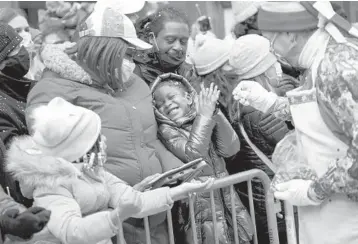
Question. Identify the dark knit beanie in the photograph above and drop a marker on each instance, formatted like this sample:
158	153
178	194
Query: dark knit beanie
9	40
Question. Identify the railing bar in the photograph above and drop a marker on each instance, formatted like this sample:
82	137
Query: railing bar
192	218
170	227
147	230
213	213
233	214
252	209
290	224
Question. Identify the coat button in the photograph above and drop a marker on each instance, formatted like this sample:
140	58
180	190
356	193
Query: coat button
142	144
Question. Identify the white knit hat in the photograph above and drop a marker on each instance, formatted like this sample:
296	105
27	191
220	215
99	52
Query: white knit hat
108	20
251	56
243	10
64	130
210	54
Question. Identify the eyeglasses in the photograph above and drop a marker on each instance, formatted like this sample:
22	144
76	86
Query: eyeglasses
130	53
279	57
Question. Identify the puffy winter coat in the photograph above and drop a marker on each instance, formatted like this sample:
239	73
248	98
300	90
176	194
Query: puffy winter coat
265	131
134	150
13	94
213	139
80	203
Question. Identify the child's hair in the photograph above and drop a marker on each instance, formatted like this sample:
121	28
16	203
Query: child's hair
103	56
156	21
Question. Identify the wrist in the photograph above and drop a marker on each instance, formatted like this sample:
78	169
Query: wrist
315	196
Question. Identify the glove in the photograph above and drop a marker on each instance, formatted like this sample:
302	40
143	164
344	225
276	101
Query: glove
26	224
251	93
295	192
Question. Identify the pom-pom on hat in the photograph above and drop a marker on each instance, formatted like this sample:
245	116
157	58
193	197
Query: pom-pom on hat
64	130
243	10
109	20
210	54
251	56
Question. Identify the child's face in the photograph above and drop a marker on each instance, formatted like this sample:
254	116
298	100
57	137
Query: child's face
172	101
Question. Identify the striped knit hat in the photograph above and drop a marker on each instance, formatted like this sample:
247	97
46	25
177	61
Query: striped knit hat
285	16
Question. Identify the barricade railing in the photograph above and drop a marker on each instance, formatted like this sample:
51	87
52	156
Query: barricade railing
230	181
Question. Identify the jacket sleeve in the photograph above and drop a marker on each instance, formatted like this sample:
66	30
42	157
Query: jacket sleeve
42	93
196	146
337	88
68	224
225	139
167	159
150	202
6	203
272	128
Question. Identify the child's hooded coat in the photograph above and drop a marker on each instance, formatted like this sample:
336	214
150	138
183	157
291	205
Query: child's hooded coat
213	139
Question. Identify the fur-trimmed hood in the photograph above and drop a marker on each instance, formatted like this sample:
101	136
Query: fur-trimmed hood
56	60
161	118
33	169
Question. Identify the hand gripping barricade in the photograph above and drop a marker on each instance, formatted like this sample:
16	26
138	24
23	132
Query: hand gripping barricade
230	181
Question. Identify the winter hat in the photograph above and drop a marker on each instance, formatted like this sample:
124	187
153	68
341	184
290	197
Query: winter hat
108	20
9	40
285	16
64	130
251	56
243	10
210	54
8	14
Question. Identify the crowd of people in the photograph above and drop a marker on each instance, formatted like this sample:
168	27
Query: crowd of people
102	99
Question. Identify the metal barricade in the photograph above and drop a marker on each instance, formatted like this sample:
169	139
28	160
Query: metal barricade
230	181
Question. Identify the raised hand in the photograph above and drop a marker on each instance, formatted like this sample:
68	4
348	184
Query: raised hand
207	99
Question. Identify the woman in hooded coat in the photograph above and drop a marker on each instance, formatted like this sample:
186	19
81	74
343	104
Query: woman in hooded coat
61	167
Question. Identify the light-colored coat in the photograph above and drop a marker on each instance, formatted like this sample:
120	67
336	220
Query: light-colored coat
80	204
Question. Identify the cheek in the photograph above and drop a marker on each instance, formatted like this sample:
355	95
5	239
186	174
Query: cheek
163	45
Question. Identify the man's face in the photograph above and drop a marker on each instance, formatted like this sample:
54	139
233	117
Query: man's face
281	45
172	43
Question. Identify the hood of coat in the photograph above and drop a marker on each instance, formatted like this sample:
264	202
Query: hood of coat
33	169
161	118
56	60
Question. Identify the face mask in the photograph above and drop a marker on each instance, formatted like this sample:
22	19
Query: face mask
18	65
127	69
27	39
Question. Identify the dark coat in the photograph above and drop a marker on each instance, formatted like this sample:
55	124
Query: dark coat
13	94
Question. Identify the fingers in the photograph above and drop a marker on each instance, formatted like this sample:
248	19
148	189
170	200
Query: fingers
44	216
35	210
12	213
285	196
283	186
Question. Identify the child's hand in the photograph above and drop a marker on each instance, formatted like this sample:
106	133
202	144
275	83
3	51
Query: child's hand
207	100
143	185
193	186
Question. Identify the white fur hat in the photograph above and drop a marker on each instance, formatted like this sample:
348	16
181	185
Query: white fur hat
243	10
64	130
251	56
210	54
